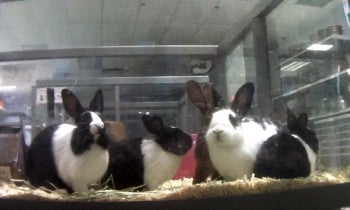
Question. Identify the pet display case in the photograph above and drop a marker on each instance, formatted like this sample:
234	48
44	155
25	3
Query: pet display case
142	53
312	62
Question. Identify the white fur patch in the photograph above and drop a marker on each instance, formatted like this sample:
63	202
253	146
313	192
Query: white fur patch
310	153
96	123
160	165
77	171
233	150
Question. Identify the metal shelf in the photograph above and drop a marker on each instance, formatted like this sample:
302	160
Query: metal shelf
109	51
305	54
334	155
305	87
18	124
300	55
327	117
333	141
121	81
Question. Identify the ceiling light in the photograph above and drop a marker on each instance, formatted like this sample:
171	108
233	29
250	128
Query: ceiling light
7	88
320	47
294	66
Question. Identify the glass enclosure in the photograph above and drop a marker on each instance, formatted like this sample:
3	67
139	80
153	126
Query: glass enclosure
141	53
308	48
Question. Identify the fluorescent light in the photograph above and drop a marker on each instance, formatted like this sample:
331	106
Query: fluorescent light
294	66
348	71
320	47
7	88
147	113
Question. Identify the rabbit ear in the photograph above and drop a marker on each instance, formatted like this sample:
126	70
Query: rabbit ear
97	102
153	124
197	96
216	98
293	123
208	95
243	99
291	120
303	120
71	103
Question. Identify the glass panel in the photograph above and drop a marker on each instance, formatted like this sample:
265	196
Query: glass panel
142	53
309	52
240	66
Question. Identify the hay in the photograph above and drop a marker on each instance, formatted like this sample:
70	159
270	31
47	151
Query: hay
178	189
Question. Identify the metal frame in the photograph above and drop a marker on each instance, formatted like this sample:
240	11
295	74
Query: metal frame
109	51
150	104
116	82
121	81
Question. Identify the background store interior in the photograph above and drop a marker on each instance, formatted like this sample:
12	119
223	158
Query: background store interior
263	41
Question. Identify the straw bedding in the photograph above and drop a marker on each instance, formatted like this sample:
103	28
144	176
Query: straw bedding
177	189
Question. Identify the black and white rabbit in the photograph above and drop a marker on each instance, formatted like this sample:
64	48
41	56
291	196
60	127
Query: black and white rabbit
70	156
144	162
234	139
288	154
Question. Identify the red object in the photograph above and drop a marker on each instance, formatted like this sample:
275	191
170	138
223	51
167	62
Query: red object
187	166
2	104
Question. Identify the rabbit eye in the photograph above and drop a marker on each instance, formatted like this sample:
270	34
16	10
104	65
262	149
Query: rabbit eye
85	117
233	121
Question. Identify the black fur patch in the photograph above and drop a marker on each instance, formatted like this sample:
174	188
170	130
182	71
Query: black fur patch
174	140
125	164
282	156
234	121
309	136
40	166
81	139
103	140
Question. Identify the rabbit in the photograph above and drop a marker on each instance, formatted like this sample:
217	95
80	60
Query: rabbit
205	99
288	154
70	156
136	162
234	139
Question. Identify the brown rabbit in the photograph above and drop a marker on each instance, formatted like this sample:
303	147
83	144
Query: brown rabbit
205	99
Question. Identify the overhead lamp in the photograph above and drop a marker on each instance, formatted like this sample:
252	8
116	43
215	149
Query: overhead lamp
319	47
294	66
7	88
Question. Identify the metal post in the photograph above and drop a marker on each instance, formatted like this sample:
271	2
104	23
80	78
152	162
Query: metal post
263	79
117	102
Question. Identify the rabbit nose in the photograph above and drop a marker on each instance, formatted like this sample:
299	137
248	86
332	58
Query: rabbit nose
95	129
217	131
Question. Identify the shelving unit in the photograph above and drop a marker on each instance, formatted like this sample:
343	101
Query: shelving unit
306	54
118	107
305	87
18	123
339	42
324	96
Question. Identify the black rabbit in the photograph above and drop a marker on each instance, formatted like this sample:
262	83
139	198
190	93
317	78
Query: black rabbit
288	154
144	162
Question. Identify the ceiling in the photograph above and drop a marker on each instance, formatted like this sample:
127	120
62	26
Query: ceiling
58	24
48	24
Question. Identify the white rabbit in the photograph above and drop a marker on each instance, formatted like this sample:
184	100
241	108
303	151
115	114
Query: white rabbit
234	139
